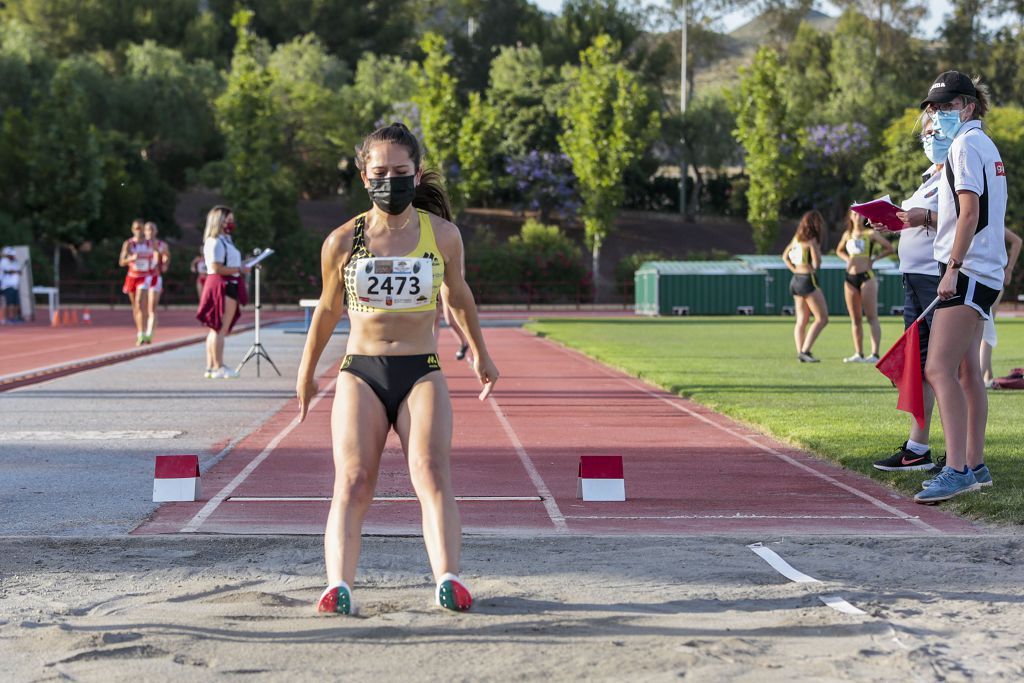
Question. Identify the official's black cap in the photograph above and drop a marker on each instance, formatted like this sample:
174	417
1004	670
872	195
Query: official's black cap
948	86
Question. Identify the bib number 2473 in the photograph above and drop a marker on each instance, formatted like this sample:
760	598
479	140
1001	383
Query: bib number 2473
394	283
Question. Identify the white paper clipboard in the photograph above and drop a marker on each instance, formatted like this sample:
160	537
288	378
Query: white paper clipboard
256	259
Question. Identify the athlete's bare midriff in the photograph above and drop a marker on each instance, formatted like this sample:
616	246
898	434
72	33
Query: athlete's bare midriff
391	334
858	264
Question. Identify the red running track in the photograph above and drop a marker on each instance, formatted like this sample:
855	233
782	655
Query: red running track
33	352
688	470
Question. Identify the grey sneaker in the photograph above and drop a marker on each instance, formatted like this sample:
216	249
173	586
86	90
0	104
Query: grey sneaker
806	357
855	358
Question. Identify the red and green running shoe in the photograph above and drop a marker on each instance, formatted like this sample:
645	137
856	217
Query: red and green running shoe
452	594
336	599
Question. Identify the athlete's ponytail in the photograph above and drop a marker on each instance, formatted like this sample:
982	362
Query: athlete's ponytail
432	196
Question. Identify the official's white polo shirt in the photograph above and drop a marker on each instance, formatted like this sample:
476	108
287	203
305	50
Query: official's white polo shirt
974	164
917	245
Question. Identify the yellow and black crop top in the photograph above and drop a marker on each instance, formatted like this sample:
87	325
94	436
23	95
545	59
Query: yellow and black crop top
425	248
861	246
799	254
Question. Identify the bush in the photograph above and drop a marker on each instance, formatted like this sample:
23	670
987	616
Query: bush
539	265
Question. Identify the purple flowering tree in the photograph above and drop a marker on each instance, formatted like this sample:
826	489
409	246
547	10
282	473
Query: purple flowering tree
543	182
834	157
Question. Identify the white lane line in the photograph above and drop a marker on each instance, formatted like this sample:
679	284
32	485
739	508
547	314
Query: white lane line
43	351
557	518
840	605
676	402
378	499
780	565
212	505
92	435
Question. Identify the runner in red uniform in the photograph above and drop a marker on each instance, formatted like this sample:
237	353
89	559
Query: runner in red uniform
154	283
137	255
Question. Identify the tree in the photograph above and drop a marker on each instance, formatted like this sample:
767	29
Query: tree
766	129
582	21
64	183
896	169
605	129
440	113
170	108
479	136
345	28
306	89
706	132
251	122
965	43
808	75
496	24
519	84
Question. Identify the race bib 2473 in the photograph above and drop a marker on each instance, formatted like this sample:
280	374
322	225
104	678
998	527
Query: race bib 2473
394	283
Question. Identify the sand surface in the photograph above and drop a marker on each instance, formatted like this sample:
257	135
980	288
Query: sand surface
573	608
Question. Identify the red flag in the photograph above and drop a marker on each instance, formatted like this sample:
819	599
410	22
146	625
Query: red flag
902	365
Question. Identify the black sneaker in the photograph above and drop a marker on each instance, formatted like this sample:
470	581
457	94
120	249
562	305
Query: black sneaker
461	353
905	461
940	462
806	357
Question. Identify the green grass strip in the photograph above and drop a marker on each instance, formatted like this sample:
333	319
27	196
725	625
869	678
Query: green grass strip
746	368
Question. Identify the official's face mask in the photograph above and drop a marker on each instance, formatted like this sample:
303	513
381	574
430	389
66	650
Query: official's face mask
947	123
393	195
229	227
936	147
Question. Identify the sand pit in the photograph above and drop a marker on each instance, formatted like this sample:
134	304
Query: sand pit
593	608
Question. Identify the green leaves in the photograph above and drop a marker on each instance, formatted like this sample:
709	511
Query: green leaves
772	139
251	121
438	103
479	137
606	126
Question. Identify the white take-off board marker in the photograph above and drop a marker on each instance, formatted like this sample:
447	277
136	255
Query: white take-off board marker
601	478
176	478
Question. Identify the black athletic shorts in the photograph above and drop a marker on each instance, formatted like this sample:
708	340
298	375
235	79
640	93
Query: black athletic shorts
858	279
231	289
803	284
918	292
391	377
971	292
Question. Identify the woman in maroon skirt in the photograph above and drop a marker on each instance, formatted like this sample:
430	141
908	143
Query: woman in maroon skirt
224	290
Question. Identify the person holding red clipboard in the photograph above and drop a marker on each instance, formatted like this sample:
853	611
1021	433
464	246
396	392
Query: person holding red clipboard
920	283
971	254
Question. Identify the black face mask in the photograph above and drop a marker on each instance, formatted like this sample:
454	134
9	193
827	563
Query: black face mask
393	195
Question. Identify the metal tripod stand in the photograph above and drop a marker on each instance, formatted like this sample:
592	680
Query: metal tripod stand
256	350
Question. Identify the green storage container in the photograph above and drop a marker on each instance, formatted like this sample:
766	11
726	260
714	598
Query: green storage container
699	288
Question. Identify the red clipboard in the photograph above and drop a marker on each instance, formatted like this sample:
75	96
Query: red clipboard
880	211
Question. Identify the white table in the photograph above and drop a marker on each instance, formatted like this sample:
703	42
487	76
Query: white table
309	305
52	297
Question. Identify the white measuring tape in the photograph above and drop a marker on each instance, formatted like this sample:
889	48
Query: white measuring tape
787	570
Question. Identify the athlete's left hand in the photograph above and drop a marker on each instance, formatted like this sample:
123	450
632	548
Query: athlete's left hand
487	373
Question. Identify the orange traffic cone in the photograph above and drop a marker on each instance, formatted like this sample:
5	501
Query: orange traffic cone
86	317
74	316
55	322
65	318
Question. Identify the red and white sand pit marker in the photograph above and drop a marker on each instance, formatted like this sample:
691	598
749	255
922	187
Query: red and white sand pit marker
177	478
601	478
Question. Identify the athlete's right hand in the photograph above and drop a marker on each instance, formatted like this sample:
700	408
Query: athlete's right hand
305	390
